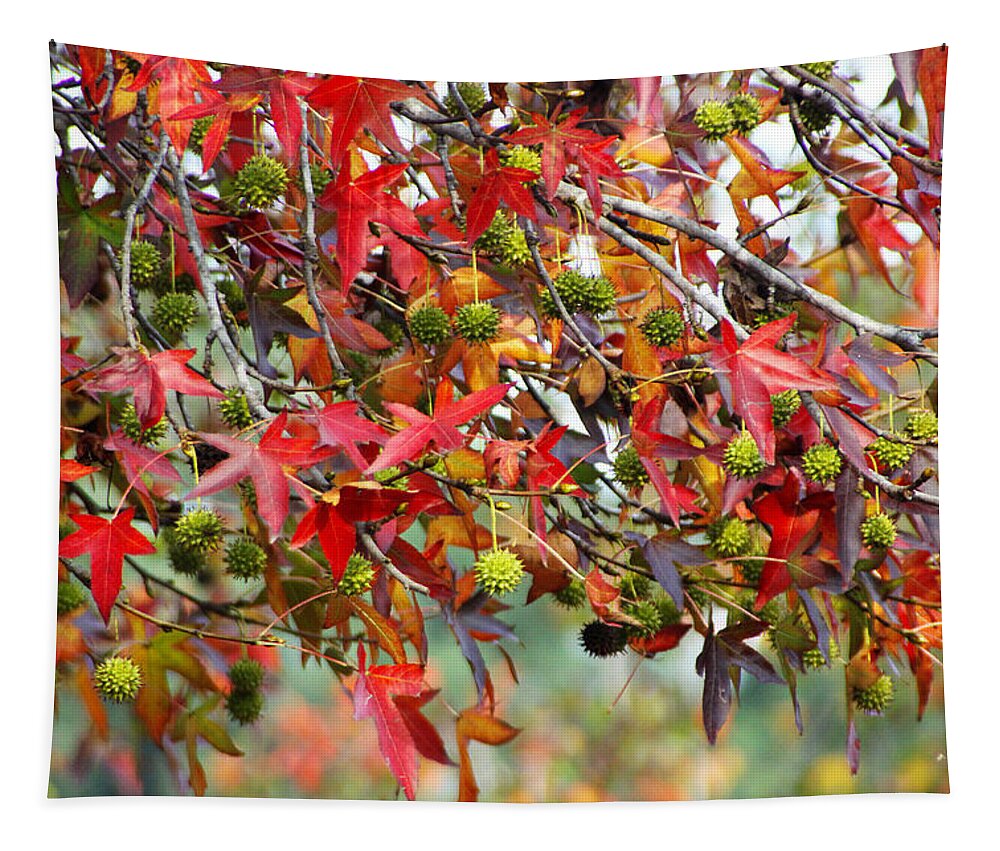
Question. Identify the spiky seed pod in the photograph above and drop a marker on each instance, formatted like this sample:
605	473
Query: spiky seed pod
131	426
118	679
878	531
714	119
573	596
69	598
777	311
246	675
746	110
320	175
875	699
260	182
732	538
245	707
393	332
635	586
429	325
662	326
772	611
391	478
145	263
184	561
199	129
491	240
174	313
923	425
648	615
245	559
815	117
234	410
699	596
602	640
784	406
741	457
514	252
200	530
890	454
521	156
236	299
473	94
821	462
358	576
752	568
499	571
628	469
248	493
600	297
669	613
823	70
813	658
478	322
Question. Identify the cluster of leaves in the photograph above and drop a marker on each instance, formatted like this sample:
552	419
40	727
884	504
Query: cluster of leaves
319	438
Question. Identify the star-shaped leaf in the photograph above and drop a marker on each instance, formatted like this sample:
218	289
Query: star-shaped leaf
499	183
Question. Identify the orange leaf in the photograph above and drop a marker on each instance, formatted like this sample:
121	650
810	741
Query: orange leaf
479	726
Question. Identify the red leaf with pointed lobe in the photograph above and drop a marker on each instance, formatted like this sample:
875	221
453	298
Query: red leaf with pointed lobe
499	183
340	427
107	542
559	141
70	470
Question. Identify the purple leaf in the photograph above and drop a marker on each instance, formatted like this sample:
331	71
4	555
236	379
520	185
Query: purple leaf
713	664
664	552
853	747
850	513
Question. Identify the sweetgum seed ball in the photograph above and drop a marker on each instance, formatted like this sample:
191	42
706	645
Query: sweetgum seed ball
602	640
131	426
521	156
878	531
430	325
504	241
200	530
628	469
174	313
732	538
186	562
822	462
245	707
260	182
118	679
478	322
70	597
573	596
876	698
923	425
246	675
245	559
784	406
358	576
499	572
815	117
145	263
234	409
823	70
746	112
741	457
714	119
662	326
890	454
473	94
647	614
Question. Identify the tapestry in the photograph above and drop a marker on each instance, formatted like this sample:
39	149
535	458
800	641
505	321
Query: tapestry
504	441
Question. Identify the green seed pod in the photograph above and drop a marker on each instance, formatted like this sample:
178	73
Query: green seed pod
648	615
752	568
128	422
731	538
200	530
394	333
573	596
890	454
602	640
70	597
599	298
923	425
714	119
429	325
628	469
473	94
784	406
184	561
669	613
320	175
878	531
875	699
746	110
246	675
815	117
662	326
521	156
635	586
499	571
245	707
260	182
390	477
358	576
118	679
822	462
741	457
145	263
514	252
478	322
245	559
823	70
199	129
234	409
174	313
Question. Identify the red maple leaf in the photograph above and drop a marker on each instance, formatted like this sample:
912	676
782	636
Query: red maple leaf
340	427
356	102
375	694
266	463
149	377
177	79
757	370
558	140
333	517
107	542
70	470
499	183
545	471
359	201
439	429
214	104
595	162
